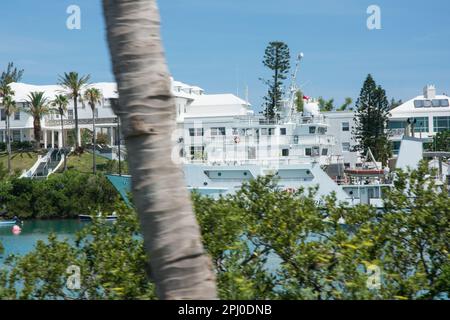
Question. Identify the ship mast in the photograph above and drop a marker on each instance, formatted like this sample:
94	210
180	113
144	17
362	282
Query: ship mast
293	87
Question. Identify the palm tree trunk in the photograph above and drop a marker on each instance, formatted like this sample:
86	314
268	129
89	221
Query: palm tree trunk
75	107
8	143
179	265
94	166
37	133
62	140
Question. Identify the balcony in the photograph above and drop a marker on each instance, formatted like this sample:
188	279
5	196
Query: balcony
71	122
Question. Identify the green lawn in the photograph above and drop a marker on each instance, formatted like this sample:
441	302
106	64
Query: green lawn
19	160
83	162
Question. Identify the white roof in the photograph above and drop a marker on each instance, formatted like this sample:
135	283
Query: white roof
108	89
408	107
22	90
218	99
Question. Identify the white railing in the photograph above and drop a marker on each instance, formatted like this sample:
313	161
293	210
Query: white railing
262	162
41	159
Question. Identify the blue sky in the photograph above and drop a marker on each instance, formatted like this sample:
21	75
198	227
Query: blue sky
219	44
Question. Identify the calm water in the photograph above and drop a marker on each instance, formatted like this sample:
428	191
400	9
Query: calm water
32	231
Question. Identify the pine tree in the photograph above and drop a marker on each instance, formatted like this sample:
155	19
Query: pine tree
277	59
372	114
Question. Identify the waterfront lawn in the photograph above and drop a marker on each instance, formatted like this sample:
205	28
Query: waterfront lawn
20	160
83	162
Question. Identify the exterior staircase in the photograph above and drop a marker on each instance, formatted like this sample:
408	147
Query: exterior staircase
45	165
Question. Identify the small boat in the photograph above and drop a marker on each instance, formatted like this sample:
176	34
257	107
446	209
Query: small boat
89	217
8	223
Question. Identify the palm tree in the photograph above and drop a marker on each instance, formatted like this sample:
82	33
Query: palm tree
180	267
61	102
10	107
74	85
93	96
12	74
37	106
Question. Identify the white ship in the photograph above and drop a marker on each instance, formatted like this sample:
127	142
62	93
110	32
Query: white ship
219	153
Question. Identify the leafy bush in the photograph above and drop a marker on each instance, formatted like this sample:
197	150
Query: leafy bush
112	166
18	145
266	243
102	138
110	257
61	196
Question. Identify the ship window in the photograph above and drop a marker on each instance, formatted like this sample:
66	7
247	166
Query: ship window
436	103
345	126
308	151
283	131
324	151
315	151
285	152
267	131
218	131
321	130
346	146
427	103
312	130
235	131
219	174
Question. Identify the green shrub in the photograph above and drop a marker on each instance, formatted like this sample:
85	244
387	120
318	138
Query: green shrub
61	196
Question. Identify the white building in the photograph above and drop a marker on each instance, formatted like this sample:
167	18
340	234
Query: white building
430	112
190	102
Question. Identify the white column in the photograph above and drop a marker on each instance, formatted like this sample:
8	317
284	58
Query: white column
111	132
60	137
45	139
79	134
53	139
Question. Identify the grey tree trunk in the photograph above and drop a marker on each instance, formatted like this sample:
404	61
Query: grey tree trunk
179	265
94	165
8	143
